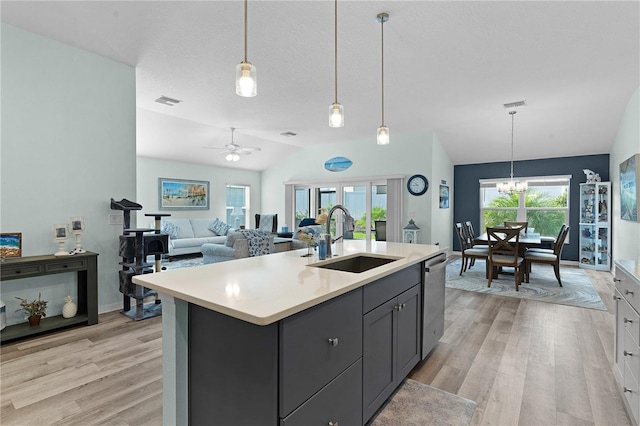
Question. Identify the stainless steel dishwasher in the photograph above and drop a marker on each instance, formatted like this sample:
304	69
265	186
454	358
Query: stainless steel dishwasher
433	302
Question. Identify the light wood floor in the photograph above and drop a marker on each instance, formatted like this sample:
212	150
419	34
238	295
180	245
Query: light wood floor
523	362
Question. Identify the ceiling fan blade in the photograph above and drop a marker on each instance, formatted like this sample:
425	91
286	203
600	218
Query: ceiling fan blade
216	147
250	149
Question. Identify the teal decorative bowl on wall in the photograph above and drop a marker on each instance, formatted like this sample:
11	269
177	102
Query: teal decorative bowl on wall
337	164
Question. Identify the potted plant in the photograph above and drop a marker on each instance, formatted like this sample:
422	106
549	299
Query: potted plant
36	309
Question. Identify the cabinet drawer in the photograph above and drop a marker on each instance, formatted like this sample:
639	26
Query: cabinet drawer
309	356
20	271
630	320
378	292
67	265
631	393
339	402
631	354
628	289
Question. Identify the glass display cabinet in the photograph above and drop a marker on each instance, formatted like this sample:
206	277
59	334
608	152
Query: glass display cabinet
595	225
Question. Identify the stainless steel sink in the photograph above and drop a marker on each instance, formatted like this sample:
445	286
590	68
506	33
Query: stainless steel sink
356	264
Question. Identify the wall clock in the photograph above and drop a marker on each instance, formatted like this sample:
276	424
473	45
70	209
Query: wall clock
417	185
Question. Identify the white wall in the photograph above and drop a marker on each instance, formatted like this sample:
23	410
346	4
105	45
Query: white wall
441	224
68	146
626	234
405	155
149	170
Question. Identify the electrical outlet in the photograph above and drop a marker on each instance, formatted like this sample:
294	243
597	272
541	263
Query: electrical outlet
115	219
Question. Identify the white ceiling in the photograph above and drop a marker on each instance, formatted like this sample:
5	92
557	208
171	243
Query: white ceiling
449	67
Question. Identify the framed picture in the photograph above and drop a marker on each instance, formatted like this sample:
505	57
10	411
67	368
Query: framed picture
180	194
77	224
61	232
629	189
444	197
11	244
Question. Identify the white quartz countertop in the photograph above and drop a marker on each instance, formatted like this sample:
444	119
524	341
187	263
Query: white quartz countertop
631	267
265	289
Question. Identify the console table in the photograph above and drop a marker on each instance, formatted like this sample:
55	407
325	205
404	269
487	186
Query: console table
86	267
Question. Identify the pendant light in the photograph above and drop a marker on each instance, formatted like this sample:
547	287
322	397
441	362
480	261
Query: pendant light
511	186
246	80
336	111
383	131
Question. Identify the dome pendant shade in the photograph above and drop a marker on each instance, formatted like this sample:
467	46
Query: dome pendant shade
336	115
383	135
246	81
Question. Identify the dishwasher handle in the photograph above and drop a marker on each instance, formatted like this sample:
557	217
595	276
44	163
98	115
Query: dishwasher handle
435	262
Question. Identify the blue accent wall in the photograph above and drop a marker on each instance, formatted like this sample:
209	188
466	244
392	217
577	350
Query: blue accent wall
466	194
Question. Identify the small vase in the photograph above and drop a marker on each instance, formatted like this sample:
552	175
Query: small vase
69	309
34	320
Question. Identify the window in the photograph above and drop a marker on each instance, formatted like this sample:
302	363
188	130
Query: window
545	204
302	205
366	201
237	206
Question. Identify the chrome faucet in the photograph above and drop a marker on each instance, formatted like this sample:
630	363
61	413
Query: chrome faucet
350	222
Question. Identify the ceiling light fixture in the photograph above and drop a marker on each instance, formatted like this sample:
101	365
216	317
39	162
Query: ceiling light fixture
383	131
336	111
232	156
246	80
512	186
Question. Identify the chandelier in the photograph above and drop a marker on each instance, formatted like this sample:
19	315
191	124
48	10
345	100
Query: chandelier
511	186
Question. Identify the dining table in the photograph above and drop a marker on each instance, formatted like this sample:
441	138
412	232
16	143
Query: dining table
526	240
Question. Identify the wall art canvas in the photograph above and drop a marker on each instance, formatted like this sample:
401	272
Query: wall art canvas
11	244
444	197
629	189
181	194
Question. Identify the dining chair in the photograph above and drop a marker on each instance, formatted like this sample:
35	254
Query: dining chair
552	240
468	252
548	258
471	239
522	225
503	252
472	236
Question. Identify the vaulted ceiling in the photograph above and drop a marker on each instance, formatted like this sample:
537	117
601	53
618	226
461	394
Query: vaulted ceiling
449	68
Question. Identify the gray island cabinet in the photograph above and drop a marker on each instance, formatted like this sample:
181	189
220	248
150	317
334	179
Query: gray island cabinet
330	355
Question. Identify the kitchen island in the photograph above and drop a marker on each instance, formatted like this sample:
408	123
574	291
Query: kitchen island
279	339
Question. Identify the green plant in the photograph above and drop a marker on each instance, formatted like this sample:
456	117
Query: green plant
37	307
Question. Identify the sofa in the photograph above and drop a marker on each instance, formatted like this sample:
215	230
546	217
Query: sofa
186	236
237	245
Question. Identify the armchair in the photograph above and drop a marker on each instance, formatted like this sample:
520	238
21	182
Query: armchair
267	222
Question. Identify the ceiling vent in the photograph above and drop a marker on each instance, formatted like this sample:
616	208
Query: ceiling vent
165	100
288	134
512	105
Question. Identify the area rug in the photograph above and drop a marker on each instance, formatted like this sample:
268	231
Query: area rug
576	290
184	261
417	404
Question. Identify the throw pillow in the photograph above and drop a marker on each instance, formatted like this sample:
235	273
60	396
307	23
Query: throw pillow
232	237
307	221
170	229
219	227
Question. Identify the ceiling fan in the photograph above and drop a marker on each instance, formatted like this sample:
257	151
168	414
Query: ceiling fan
234	150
